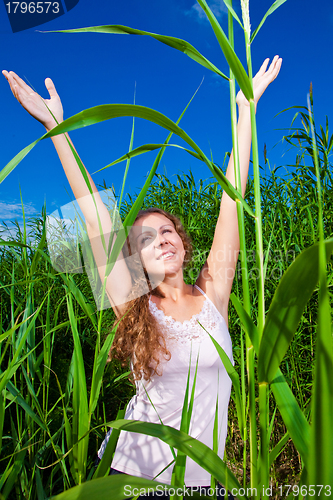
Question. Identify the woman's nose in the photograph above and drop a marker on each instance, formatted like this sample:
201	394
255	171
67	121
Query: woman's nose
161	239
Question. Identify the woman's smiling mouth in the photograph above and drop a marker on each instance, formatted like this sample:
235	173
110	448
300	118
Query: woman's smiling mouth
165	255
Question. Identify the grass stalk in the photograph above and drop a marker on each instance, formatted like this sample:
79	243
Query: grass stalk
241	227
264	450
321	466
259	259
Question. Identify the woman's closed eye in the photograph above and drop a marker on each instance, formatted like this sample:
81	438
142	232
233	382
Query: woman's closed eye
149	236
144	239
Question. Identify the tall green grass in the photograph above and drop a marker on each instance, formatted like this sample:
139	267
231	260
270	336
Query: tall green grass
50	436
181	196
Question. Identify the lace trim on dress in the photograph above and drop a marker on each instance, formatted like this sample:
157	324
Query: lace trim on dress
189	329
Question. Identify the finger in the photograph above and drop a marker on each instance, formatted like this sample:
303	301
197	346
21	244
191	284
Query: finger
50	87
11	82
263	67
264	71
272	67
17	84
272	71
20	90
275	69
6	75
21	83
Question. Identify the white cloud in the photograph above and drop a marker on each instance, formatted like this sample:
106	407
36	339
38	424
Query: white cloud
9	211
217	6
6	233
10	232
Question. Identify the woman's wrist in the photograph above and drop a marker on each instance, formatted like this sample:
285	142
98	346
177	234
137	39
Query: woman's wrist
244	108
51	124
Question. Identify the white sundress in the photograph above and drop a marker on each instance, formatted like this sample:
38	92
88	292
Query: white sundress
146	456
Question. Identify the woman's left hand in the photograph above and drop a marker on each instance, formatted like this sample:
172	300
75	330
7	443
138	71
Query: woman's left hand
261	81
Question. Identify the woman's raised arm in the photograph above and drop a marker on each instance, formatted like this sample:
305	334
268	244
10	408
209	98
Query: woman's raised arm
49	112
222	259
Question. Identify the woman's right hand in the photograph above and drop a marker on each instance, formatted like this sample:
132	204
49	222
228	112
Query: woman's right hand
38	107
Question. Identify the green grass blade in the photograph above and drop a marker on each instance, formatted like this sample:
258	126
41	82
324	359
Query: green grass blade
18	463
8	243
293	417
146	148
12	164
291	413
228	4
105	463
178	472
111	487
80	298
234	379
247	322
270	11
2	414
98	371
18	398
292	294
104	112
175	43
128	160
80	403
190	406
320	468
10	332
263	432
271	425
171	449
213	482
41	495
230	55
15	361
37	254
193	448
68	428
275	452
31	391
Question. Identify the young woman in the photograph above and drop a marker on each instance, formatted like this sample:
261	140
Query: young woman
160	334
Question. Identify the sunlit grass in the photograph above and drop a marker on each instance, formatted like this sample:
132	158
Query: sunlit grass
48	364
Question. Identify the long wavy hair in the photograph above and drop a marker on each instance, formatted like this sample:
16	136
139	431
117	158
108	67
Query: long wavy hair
138	337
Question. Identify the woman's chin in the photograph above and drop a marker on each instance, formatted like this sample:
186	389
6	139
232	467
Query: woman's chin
169	272
173	273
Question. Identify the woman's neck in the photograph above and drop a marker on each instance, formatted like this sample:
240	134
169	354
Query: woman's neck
175	291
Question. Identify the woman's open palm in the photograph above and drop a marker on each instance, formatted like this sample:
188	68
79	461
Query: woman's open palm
261	80
39	108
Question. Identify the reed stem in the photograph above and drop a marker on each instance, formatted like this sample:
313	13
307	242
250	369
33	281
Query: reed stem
241	228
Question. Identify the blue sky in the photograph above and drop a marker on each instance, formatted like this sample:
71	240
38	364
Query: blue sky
92	69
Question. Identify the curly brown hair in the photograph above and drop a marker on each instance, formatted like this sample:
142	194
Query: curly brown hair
138	337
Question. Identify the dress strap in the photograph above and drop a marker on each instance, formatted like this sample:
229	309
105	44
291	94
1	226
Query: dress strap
203	293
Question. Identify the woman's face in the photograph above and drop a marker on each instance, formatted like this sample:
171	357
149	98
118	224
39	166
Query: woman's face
160	247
